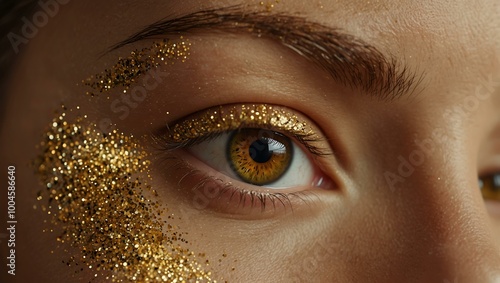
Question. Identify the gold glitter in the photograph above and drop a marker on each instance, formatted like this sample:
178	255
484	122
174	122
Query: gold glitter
125	72
490	187
98	198
269	5
223	119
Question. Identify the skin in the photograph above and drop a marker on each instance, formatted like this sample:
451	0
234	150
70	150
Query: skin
432	226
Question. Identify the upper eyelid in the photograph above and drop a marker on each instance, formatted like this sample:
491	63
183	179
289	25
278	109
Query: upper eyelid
226	117
186	132
257	199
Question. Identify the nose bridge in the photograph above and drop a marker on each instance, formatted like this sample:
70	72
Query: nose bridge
454	227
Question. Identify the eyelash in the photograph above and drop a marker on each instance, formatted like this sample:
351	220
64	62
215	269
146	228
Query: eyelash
166	146
305	140
256	199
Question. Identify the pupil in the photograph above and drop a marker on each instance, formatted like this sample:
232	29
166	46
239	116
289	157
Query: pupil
259	151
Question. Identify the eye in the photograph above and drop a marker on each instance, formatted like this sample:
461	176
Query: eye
490	186
259	157
251	155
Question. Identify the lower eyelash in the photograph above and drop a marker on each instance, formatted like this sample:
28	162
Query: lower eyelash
241	199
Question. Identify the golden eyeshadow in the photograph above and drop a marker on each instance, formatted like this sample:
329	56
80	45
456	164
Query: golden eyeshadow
126	71
99	197
227	118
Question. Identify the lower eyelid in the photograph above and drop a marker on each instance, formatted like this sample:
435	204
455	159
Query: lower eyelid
206	189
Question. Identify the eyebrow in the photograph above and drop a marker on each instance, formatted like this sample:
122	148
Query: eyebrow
349	60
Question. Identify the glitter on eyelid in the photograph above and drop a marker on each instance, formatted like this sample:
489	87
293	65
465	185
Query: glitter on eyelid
125	72
97	193
222	119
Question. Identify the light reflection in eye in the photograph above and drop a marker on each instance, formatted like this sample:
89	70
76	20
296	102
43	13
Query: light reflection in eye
490	186
259	157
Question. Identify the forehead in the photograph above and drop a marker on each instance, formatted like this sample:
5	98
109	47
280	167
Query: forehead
461	38
409	28
458	38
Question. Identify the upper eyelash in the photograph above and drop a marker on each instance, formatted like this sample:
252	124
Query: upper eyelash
306	140
165	146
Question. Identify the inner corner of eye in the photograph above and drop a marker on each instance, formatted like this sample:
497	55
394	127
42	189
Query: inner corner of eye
258	157
490	186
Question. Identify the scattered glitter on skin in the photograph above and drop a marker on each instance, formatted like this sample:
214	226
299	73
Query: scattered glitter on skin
125	72
97	196
269	5
223	119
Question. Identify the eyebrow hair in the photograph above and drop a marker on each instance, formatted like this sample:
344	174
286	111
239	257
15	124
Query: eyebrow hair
347	59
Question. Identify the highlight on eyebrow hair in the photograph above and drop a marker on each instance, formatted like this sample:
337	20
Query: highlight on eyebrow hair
346	58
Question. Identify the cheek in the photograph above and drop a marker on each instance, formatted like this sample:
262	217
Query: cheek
98	194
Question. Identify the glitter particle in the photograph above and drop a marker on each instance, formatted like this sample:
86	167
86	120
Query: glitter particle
125	72
97	195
